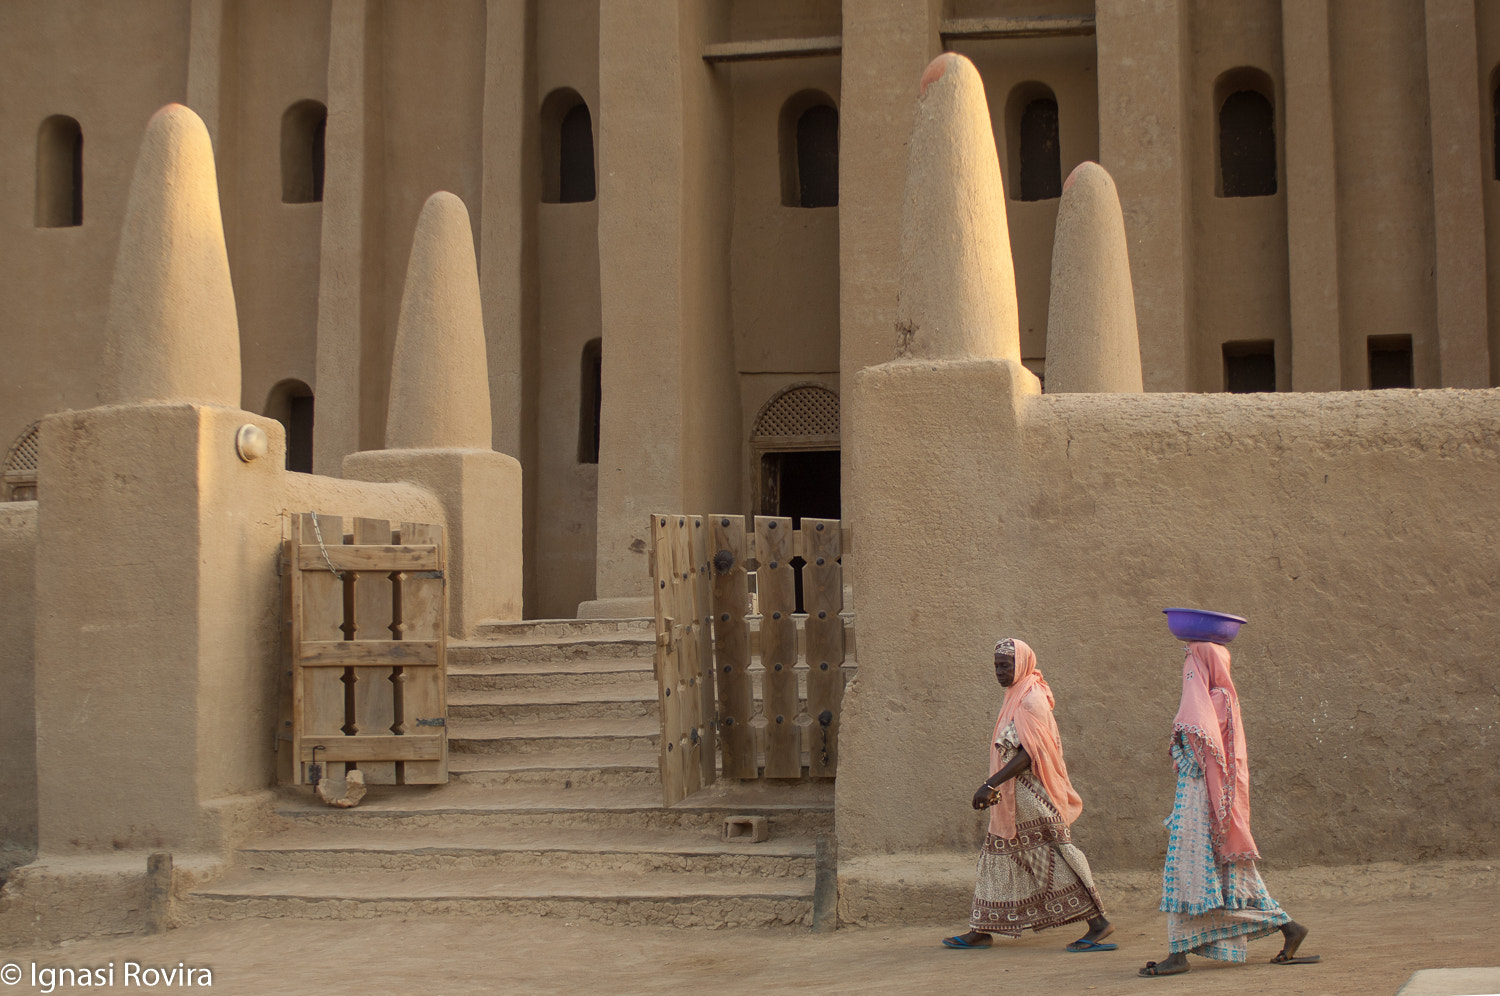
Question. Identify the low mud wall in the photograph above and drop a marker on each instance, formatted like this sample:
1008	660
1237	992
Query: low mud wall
1356	531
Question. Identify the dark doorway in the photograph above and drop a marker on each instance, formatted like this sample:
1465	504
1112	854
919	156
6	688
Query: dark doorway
800	483
1250	367
1390	362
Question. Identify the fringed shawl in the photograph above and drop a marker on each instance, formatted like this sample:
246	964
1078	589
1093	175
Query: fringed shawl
1208	721
1028	703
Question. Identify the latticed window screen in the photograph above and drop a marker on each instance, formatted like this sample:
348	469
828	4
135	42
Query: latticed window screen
802	411
19	481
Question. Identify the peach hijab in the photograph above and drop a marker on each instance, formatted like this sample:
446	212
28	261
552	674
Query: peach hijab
1028	703
1208	721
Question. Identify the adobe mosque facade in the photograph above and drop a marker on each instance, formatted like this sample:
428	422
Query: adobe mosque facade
686	214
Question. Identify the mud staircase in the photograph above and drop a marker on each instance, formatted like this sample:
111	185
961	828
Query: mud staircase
554	807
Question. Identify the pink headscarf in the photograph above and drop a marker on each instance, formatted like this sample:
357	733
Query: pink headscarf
1209	722
1028	702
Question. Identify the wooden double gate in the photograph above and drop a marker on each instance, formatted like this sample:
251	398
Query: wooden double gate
366	630
746	700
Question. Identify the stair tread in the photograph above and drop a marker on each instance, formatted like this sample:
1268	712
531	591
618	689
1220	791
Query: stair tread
564	839
606	665
639	691
551	884
461	728
458	797
553	761
628	637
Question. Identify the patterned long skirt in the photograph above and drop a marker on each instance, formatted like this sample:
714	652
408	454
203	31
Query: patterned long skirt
1037	879
1213	909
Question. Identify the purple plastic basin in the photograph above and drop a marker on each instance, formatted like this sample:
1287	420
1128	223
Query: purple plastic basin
1203	625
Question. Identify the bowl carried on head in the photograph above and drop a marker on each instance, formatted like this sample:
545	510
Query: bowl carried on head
1203	626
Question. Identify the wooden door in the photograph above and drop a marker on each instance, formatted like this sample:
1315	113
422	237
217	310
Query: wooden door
367	612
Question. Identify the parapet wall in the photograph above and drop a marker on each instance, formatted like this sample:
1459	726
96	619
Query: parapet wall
1356	531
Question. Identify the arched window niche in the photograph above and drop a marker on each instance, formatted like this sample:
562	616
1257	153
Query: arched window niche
1033	150
590	401
808	141
1495	122
304	128
1245	134
291	403
567	149
59	173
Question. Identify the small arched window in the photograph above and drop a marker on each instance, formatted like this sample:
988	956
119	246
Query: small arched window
567	149
59	173
1246	126
304	127
1495	111
291	404
589	402
1034	149
809	151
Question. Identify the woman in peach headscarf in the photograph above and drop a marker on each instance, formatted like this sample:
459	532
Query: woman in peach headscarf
1030	875
1214	898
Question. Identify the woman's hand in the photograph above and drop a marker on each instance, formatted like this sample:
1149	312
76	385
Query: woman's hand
984	796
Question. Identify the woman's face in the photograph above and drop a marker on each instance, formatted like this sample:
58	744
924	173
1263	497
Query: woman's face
1005	669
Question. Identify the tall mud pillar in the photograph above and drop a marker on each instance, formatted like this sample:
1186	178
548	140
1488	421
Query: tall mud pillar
670	433
351	313
1453	90
1311	197
1143	48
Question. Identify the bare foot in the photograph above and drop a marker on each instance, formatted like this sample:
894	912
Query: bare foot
1294	933
1172	964
973	939
1099	929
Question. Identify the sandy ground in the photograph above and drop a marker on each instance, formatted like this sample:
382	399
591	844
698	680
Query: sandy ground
1372	947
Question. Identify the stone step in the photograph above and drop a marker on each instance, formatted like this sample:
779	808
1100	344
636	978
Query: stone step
678	899
459	807
470	671
555	649
558	769
581	736
506	851
495	631
634	700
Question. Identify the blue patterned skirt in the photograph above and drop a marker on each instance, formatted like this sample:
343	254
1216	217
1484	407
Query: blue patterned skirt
1213	909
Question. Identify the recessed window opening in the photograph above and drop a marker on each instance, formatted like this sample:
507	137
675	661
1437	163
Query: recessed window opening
1041	163
59	173
590	401
1250	366
1391	362
818	157
1495	117
304	131
809	151
1246	126
1033	148
567	149
291	404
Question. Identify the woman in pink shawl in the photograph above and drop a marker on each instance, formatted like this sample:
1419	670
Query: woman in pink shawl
1214	898
1030	875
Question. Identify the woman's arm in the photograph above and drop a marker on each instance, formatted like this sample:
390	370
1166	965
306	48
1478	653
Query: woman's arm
984	797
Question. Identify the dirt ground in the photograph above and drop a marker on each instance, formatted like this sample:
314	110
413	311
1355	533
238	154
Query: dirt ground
1368	946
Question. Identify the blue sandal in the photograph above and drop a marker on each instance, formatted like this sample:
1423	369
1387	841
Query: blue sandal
1084	944
957	941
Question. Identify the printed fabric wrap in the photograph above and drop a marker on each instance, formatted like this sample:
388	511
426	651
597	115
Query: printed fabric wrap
1028	704
1208	723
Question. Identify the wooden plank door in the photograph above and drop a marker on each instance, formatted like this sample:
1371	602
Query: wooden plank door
368	635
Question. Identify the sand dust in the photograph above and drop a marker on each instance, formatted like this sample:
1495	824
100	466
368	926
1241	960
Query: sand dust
1369	945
